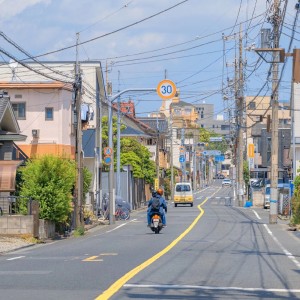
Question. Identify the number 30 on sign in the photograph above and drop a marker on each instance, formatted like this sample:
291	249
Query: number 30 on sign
166	89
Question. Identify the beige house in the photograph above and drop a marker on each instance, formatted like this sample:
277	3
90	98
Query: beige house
43	111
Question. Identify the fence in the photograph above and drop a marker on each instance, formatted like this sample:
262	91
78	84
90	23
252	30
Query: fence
10	205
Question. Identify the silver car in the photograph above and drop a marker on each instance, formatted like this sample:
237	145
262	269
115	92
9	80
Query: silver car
226	182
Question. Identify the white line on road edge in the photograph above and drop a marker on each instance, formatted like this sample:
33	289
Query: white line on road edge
257	215
286	252
116	227
13	258
203	287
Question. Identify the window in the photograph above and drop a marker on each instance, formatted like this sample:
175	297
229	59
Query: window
49	113
252	105
187	111
177	111
202	115
19	110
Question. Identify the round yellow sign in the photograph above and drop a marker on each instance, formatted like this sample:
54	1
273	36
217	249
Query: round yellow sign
166	89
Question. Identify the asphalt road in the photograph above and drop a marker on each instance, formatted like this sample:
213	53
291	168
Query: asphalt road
210	251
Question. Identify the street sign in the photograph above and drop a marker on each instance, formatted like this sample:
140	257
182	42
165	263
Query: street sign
216	139
166	89
219	158
251	150
107	160
181	149
156	185
181	158
107	151
211	152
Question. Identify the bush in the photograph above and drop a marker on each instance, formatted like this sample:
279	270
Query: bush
79	231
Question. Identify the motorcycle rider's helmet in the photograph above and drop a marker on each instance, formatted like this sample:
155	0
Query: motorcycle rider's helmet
160	192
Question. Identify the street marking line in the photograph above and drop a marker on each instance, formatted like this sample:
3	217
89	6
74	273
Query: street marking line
203	287
92	258
257	215
121	281
108	254
13	258
116	227
286	252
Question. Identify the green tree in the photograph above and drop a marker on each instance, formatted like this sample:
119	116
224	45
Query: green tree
137	155
296	201
49	180
205	136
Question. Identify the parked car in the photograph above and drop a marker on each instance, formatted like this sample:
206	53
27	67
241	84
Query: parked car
226	182
219	176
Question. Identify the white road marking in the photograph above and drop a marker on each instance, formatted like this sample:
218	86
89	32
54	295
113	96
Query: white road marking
286	252
13	258
116	227
203	287
257	215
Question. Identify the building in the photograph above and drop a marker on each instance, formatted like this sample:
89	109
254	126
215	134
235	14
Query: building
208	120
10	155
44	114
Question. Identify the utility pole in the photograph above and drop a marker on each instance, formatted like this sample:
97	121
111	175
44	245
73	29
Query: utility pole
171	158
157	150
79	166
274	104
240	111
100	97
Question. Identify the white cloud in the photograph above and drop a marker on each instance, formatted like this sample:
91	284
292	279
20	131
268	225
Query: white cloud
12	8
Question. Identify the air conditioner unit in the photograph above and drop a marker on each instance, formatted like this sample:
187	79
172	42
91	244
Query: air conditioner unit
35	133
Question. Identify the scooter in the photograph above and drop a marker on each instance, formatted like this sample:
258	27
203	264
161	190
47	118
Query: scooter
156	223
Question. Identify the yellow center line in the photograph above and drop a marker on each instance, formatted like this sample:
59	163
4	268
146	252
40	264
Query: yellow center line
92	258
121	281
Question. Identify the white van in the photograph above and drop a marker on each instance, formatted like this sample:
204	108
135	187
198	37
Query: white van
183	194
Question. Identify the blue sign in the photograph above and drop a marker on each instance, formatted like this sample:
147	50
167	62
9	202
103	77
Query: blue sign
181	158
219	158
291	188
107	160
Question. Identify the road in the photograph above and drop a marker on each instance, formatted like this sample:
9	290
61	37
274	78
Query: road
209	251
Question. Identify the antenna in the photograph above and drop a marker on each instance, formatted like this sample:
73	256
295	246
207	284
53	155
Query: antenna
13	66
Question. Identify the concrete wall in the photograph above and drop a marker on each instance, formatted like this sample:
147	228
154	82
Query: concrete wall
16	225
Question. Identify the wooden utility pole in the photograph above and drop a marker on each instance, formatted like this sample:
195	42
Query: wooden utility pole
274	104
79	158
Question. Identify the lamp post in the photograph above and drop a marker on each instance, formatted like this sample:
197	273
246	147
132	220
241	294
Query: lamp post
111	180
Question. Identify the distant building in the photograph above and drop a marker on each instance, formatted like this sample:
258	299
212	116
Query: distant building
207	119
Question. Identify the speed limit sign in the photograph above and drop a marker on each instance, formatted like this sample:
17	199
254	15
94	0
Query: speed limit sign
166	89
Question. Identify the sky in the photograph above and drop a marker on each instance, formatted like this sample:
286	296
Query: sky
194	43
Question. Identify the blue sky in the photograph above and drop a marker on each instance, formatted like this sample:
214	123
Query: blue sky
185	43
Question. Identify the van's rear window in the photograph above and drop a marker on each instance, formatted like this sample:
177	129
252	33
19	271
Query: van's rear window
183	188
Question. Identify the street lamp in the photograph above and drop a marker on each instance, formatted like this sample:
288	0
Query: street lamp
111	180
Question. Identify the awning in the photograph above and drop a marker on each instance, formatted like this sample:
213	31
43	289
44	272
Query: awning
8	175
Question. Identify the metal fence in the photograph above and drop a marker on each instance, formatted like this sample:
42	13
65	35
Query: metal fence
10	205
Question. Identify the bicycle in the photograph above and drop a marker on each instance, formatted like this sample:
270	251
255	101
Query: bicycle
122	213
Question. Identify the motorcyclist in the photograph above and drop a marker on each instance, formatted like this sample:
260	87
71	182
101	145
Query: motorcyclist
162	207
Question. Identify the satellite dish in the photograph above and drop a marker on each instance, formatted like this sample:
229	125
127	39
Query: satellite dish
13	65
